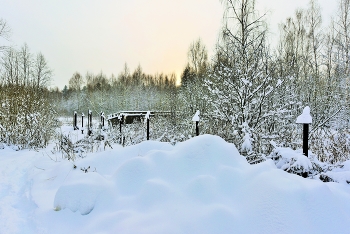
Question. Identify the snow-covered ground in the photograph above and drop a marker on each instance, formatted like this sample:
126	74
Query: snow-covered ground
202	185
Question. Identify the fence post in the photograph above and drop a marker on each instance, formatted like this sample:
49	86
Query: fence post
196	119
75	121
82	123
147	121
305	139
121	119
89	123
305	119
103	119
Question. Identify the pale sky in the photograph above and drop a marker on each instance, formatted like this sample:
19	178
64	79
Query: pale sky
94	36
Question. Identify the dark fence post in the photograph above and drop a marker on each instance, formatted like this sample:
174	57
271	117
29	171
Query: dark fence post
196	119
121	119
305	139
103	119
75	121
147	129
90	119
305	119
147	121
89	123
82	123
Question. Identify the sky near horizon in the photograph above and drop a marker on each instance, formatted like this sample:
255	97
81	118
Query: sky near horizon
94	36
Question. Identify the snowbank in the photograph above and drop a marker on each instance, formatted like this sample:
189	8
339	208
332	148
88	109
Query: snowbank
202	185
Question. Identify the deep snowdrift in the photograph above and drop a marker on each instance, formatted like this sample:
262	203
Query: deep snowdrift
202	185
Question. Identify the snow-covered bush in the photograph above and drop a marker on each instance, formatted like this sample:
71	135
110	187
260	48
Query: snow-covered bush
339	173
162	129
292	161
88	144
26	117
331	146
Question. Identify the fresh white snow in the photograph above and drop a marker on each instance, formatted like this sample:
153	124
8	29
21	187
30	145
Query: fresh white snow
147	116
202	185
305	117
195	118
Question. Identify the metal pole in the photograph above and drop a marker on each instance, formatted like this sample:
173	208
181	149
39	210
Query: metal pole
305	139
91	120
120	124
147	129
101	120
82	124
120	128
90	127
88	122
305	145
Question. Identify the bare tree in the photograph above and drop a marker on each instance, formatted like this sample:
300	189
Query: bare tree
5	32
315	33
198	57
26	63
41	72
76	82
343	37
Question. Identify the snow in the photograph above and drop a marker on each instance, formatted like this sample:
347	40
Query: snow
279	82
196	116
247	140
202	185
291	160
147	116
305	117
340	174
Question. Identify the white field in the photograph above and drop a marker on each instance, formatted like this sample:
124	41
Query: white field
202	185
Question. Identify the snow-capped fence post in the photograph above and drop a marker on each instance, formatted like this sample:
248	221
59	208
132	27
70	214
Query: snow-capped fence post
147	121
121	119
196	119
82	123
305	119
102	120
75	121
89	122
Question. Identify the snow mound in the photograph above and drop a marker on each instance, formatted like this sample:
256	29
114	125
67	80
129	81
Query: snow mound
202	185
80	193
